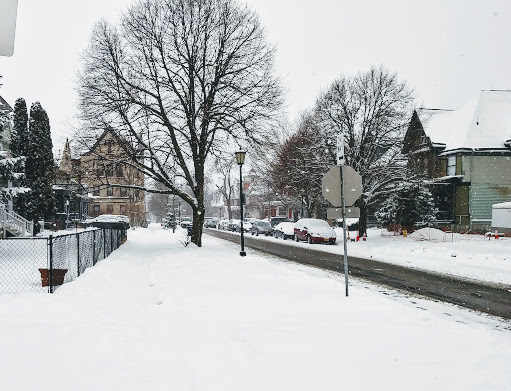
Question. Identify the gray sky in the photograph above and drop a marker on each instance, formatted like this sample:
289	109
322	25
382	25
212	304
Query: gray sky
447	50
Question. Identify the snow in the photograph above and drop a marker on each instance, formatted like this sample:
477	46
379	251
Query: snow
477	257
483	122
432	234
502	205
159	316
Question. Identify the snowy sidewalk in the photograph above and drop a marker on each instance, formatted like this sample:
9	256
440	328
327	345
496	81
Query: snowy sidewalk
158	316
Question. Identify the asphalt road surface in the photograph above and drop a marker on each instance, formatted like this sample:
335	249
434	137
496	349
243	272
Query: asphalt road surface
493	299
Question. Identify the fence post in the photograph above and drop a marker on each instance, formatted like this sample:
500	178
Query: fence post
111	240
78	252
50	266
94	248
104	242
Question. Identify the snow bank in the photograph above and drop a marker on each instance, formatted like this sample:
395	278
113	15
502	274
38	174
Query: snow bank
430	234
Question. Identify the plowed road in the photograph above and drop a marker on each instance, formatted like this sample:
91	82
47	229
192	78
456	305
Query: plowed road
490	298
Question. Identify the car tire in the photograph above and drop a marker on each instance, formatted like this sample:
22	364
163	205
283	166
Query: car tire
284	237
252	233
257	233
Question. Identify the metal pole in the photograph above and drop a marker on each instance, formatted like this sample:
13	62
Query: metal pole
104	243
340	162
242	252
78	252
344	231
50	271
93	247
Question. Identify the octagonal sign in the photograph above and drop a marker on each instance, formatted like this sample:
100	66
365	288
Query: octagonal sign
331	186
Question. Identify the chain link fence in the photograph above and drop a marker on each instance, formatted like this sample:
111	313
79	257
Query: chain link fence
42	264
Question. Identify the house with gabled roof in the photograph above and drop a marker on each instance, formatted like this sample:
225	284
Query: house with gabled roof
114	187
466	156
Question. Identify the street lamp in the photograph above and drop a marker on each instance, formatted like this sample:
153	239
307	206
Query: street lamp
240	159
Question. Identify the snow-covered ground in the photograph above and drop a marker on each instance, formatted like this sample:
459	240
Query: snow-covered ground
473	258
156	315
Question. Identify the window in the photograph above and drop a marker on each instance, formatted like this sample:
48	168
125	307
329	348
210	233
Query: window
124	192
108	171
110	191
110	209
118	171
95	192
451	165
137	193
123	209
96	209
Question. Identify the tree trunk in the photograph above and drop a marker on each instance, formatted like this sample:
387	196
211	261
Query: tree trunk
362	221
198	221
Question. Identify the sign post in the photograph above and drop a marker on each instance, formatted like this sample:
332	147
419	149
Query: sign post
344	226
342	186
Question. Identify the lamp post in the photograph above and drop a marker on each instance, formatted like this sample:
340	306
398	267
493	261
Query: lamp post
240	159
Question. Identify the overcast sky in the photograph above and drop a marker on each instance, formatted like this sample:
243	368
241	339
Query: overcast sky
447	50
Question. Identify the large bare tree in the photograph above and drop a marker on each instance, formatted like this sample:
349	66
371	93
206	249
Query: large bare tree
180	81
371	110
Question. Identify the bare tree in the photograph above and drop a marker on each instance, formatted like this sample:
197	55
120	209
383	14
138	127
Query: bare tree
179	80
372	110
227	186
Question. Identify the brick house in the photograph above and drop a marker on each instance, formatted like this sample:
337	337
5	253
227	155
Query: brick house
466	155
108	179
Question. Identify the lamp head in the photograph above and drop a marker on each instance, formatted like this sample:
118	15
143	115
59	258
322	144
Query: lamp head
240	157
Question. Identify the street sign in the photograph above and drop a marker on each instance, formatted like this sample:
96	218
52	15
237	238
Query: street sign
332	189
340	149
336	213
8	10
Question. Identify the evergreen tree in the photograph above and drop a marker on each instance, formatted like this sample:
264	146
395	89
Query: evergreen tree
19	137
411	204
40	167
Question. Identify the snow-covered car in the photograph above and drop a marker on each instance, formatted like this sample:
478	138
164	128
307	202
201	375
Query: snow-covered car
223	225
109	221
246	226
234	223
185	222
261	227
314	231
274	221
284	230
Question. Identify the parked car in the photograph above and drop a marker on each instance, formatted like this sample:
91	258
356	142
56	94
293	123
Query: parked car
234	223
261	227
274	221
109	221
186	221
246	226
210	223
314	231
224	224
284	230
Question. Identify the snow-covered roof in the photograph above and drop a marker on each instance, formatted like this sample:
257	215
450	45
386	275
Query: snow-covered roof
502	205
483	122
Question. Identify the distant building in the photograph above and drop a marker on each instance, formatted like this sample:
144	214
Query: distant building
466	155
108	180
